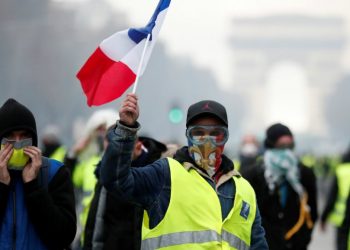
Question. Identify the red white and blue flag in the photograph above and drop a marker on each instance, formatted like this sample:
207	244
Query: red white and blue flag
113	67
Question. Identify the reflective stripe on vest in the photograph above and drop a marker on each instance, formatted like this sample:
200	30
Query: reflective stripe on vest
193	219
343	178
193	237
234	241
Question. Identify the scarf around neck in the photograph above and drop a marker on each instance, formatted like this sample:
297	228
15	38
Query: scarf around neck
282	165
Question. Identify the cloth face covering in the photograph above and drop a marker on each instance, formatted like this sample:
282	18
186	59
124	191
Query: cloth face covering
281	165
18	158
206	144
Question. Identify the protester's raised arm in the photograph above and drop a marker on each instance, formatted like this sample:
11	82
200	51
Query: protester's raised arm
139	185
116	162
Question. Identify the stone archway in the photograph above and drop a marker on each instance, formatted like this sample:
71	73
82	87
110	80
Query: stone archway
287	97
313	44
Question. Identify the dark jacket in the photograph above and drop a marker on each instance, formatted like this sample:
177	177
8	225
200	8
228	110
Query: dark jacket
118	226
150	186
331	200
277	220
112	222
44	209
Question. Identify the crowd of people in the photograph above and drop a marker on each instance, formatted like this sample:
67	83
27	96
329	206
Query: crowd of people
117	189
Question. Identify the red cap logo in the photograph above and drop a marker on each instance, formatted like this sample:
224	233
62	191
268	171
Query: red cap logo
206	106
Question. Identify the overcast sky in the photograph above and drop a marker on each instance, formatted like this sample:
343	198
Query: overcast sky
200	29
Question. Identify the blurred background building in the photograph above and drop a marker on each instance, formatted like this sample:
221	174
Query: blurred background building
273	66
287	67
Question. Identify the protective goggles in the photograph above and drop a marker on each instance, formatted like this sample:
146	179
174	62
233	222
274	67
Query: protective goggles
17	144
199	135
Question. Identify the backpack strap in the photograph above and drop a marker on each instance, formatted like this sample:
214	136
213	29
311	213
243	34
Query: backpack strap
48	170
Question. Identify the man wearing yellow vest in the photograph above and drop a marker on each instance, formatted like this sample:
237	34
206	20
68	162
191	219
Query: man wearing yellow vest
51	144
334	210
195	200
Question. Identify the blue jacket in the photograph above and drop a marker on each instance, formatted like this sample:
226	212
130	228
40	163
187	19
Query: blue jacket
149	186
29	211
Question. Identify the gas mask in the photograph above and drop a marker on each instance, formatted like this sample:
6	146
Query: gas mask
206	145
18	158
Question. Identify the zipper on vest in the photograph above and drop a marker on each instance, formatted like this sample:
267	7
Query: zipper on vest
14	231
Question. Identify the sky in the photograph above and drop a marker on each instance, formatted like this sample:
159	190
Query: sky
200	29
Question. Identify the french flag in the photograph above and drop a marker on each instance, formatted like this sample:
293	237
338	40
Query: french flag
113	67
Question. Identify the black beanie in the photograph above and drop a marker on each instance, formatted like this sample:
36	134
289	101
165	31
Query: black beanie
274	132
15	116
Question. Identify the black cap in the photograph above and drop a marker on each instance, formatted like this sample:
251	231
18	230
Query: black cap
15	116
274	132
205	108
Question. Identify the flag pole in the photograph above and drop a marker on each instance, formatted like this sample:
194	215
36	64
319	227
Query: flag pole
140	64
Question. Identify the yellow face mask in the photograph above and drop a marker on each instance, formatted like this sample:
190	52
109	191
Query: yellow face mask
18	158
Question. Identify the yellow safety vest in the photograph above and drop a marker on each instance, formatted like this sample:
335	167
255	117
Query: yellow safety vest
87	183
343	177
309	160
237	164
193	219
58	154
83	175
